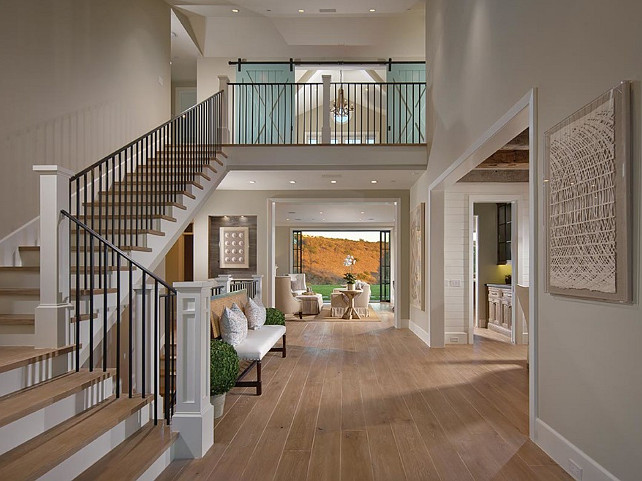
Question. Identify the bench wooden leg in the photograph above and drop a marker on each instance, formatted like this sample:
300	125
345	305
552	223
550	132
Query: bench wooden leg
284	347
259	385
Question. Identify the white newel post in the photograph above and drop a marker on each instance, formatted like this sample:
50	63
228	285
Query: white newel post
194	414
325	130
258	280
148	321
223	280
52	315
224	130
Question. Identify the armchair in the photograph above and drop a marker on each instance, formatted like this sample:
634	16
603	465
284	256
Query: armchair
283	299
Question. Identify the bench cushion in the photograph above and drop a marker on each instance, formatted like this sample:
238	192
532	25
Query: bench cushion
259	342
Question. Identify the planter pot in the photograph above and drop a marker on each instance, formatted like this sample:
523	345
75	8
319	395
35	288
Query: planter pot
218	401
350	287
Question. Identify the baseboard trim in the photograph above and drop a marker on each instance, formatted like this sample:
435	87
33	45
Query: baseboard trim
562	451
456	338
419	332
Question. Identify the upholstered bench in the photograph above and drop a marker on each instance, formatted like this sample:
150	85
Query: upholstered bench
257	343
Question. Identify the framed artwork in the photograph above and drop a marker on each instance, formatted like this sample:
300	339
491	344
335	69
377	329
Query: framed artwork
587	182
417	263
234	243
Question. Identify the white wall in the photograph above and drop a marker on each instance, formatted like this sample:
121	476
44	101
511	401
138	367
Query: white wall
233	202
79	79
282	249
256	38
457	248
484	57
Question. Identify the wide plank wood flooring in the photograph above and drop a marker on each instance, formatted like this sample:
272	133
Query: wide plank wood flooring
364	401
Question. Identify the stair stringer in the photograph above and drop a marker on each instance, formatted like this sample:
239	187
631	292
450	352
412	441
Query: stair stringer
160	245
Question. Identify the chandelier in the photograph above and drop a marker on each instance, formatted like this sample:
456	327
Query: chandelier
340	106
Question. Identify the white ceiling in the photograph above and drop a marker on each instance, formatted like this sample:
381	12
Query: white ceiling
285	8
340	213
319	180
184	53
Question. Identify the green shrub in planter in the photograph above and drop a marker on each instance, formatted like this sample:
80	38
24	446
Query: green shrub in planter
274	317
224	367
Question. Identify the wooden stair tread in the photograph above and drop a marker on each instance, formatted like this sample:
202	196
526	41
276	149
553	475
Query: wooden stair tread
17	320
39	455
26	401
131	216
126	231
12	357
109	203
84	317
29	248
131	458
122	248
20	291
19	268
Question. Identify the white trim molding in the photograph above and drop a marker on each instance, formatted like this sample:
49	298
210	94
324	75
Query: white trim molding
564	452
419	332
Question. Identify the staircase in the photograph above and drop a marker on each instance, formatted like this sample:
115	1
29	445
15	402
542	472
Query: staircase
100	406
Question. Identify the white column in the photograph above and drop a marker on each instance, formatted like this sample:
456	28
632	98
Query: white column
194	414
148	321
325	131
223	280
223	129
258	280
52	315
434	234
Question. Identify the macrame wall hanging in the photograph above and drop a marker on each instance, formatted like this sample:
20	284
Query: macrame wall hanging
587	180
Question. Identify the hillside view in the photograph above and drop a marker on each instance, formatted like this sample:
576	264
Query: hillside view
323	260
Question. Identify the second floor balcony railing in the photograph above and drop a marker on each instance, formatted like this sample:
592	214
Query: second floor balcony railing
378	113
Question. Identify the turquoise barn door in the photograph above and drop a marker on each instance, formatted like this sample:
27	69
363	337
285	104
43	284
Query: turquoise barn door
406	113
264	110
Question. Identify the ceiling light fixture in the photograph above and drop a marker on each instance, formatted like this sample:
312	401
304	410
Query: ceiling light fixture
373	181
340	106
333	181
252	181
362	212
235	10
293	182
373	9
301	10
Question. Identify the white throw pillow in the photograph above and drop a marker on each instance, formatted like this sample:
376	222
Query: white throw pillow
255	314
233	325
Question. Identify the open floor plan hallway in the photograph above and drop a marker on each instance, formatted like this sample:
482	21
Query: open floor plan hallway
365	401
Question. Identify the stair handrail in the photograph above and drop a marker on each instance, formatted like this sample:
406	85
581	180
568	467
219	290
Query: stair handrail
168	327
145	178
133	142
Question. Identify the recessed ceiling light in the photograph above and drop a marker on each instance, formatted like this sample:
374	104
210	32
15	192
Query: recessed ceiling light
321	212
373	181
333	181
287	218
362	212
293	182
301	10
235	10
373	9
252	181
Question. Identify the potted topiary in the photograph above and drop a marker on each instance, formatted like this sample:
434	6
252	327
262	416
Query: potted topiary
274	317
224	369
350	278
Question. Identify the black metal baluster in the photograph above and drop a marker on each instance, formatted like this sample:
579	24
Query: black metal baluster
131	332
156	349
91	304
167	359
143	342
105	309
118	381
78	277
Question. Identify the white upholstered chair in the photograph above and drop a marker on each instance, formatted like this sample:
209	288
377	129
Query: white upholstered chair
284	301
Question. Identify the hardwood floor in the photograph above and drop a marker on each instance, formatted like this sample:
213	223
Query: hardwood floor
364	401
